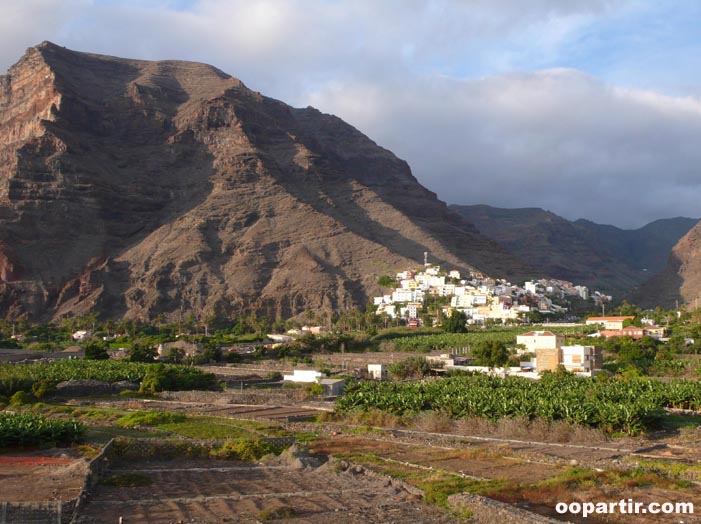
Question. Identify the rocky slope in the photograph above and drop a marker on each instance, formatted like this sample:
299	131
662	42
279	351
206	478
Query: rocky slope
602	257
680	281
134	188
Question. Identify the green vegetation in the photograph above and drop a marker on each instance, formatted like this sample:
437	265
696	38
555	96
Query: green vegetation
491	353
412	367
25	429
451	341
386	281
456	322
163	377
244	448
149	418
96	350
615	405
156	377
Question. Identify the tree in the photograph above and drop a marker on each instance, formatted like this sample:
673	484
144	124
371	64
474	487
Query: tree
142	353
176	355
492	353
455	323
96	350
412	367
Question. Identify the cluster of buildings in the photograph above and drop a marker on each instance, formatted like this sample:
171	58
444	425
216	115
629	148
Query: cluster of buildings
551	353
480	298
613	327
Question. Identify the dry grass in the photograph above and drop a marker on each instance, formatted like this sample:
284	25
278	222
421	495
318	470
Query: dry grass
433	422
531	430
376	418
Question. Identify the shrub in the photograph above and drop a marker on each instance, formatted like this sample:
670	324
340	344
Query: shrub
149	418
412	367
142	353
43	388
96	350
276	513
175	378
20	398
314	389
248	449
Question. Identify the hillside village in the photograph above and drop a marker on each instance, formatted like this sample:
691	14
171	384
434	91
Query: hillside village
478	297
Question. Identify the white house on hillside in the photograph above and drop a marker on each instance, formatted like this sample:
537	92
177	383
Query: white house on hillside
535	340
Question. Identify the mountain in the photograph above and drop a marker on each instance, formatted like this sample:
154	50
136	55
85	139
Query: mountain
601	257
680	281
135	189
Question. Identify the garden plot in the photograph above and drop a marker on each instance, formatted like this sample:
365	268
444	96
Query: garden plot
37	477
208	491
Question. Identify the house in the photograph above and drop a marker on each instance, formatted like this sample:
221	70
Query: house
281	339
633	332
413	309
547	359
655	331
304	376
377	371
531	287
577	359
609	322
535	340
314	330
81	335
582	359
190	349
333	387
118	354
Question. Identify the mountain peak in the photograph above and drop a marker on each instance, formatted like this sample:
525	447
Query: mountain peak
137	188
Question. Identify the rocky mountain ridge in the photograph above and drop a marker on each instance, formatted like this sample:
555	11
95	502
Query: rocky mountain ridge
136	189
602	257
679	283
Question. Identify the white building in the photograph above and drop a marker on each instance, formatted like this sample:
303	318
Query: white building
377	371
582	291
535	340
304	376
81	335
581	359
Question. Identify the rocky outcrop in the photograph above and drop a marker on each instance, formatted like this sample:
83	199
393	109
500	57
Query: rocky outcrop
679	282
133	189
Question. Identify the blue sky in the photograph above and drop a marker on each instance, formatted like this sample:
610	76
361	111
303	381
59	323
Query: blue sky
588	108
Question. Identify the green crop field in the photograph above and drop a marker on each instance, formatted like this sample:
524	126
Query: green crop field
628	406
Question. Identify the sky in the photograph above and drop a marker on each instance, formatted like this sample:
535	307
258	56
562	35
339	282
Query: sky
587	108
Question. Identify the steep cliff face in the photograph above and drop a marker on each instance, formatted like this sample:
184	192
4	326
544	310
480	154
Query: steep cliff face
680	281
135	188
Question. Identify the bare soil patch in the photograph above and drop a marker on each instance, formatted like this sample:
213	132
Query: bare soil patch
207	491
34	477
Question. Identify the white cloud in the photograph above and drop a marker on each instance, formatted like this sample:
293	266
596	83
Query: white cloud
434	81
558	139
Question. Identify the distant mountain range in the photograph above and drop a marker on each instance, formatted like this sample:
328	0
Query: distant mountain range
602	257
136	189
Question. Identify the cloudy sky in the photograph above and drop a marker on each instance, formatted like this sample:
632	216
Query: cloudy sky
588	108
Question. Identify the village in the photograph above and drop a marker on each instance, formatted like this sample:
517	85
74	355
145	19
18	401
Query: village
479	298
